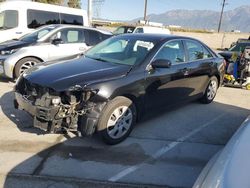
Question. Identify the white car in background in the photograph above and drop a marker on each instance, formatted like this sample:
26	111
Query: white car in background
141	29
47	44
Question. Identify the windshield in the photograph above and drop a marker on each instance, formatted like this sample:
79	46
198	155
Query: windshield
8	19
239	47
121	50
37	34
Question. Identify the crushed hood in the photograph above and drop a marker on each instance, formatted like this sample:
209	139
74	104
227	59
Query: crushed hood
82	71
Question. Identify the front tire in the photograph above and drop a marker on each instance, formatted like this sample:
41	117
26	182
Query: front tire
24	64
117	120
211	91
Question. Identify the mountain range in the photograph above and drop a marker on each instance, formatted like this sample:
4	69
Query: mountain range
237	19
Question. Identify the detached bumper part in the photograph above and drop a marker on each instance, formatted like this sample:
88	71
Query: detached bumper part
44	118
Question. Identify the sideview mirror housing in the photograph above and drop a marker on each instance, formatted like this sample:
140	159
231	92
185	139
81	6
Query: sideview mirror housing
161	63
57	41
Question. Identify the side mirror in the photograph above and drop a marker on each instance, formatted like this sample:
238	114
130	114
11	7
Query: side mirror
161	63
57	41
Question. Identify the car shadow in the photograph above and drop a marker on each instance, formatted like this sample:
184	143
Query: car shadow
22	120
75	162
4	79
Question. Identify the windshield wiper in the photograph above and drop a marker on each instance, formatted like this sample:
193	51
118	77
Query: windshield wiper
97	58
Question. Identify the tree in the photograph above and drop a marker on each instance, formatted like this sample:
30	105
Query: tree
2	1
55	2
74	3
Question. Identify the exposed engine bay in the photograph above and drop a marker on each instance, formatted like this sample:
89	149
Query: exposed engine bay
53	111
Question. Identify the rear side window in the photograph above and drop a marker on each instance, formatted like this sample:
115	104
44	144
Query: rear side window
37	18
92	37
197	51
71	19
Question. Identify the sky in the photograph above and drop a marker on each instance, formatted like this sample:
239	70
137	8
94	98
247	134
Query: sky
131	9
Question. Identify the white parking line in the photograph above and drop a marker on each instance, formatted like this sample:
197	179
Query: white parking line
163	150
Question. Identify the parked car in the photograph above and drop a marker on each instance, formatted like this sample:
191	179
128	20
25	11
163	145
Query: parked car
109	89
18	18
230	167
47	44
236	48
141	29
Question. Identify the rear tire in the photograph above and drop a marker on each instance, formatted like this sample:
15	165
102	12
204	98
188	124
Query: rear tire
117	120
211	91
24	64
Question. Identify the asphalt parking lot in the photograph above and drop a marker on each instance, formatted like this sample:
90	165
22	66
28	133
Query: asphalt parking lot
169	149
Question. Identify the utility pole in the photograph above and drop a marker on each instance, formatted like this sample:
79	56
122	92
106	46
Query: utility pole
145	11
90	12
221	14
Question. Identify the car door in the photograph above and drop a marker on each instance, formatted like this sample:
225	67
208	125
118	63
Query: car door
166	86
200	62
72	43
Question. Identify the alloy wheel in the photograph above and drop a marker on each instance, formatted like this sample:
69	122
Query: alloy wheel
119	122
26	66
212	89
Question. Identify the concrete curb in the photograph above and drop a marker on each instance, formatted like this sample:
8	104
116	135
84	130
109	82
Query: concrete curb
30	181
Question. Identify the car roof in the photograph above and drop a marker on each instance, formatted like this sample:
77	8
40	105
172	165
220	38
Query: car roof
153	36
80	27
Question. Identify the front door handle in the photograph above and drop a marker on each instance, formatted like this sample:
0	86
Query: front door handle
185	71
82	49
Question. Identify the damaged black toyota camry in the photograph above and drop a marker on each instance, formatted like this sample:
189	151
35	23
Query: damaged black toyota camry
114	83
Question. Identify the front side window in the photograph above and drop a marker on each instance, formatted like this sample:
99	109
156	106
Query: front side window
70	36
71	19
172	51
196	51
124	51
37	18
8	19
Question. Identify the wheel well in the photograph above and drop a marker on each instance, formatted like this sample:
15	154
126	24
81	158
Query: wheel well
13	72
218	78
134	100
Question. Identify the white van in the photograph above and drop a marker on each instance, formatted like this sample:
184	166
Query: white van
18	18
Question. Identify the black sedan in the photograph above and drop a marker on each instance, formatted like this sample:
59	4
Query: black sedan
114	83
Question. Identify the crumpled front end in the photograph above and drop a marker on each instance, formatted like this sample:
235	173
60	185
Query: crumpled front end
53	111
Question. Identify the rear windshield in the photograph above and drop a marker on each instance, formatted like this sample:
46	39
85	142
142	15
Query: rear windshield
8	19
